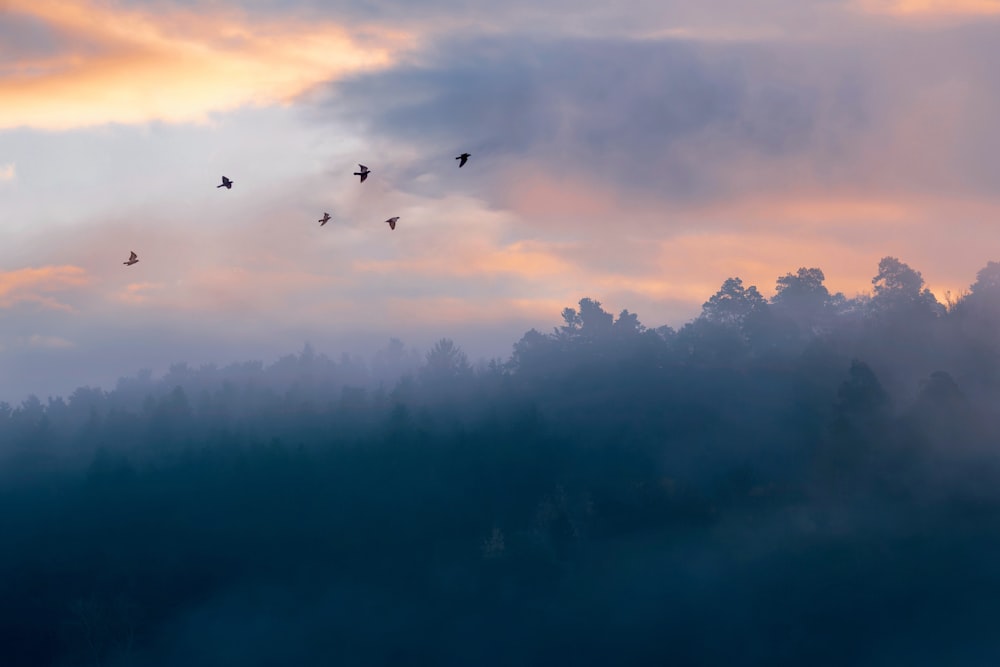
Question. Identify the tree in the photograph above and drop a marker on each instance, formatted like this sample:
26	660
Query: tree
393	361
899	288
627	324
532	352
590	323
445	362
976	317
733	304
982	302
803	298
942	415
861	395
987	280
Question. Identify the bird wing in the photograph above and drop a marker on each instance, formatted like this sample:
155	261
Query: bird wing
132	255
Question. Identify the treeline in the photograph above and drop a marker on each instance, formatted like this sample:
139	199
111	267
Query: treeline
810	479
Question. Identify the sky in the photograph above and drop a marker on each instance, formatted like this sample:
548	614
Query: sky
637	153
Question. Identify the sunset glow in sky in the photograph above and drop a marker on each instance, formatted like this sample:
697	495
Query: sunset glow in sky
637	153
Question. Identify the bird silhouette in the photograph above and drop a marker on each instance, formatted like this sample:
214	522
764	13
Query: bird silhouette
363	173
392	222
464	157
325	219
226	183
132	259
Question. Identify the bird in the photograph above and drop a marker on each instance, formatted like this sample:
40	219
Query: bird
392	222
226	183
132	259
325	219
363	173
464	157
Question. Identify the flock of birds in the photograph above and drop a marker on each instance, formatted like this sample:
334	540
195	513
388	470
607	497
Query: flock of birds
362	172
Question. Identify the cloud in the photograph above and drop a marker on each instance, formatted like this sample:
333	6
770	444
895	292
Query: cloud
41	285
924	8
7	172
138	293
883	111
475	259
51	342
719	20
111	63
683	119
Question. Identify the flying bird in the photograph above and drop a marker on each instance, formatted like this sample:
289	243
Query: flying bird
392	222
226	183
464	157
363	173
132	259
325	219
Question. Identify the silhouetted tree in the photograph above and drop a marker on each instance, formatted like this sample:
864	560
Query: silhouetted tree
533	354
590	323
803	298
733	305
627	325
898	288
728	322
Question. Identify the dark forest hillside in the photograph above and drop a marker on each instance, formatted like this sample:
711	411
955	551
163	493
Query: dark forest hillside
810	479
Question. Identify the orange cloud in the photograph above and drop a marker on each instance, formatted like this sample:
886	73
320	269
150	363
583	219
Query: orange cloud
526	259
918	8
7	172
137	293
37	285
536	194
175	66
804	209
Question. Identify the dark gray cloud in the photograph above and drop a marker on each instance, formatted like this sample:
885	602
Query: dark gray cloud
694	120
633	112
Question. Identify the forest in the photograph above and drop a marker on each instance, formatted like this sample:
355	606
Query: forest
809	479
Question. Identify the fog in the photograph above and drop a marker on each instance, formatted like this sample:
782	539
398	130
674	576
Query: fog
807	479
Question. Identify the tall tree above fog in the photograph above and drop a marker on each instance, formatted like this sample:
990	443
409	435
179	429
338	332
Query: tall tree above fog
899	288
733	305
590	323
804	299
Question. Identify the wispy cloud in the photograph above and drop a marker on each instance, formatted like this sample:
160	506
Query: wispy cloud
41	285
128	65
138	293
7	172
473	258
50	342
922	8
